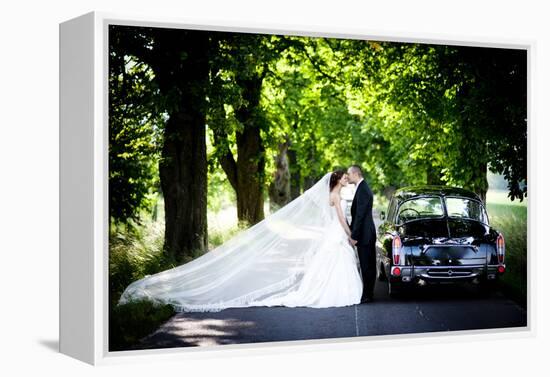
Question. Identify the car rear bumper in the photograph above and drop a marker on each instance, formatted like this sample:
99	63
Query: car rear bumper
449	274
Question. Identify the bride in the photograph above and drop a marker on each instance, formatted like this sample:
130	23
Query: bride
298	256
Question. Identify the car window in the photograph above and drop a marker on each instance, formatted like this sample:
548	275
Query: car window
420	208
466	208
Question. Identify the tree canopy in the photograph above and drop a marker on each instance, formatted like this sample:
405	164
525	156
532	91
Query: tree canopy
277	112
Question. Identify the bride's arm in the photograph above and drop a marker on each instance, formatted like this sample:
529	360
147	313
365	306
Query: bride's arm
341	216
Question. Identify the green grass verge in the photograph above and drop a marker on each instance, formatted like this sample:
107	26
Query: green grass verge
132	321
510	218
134	251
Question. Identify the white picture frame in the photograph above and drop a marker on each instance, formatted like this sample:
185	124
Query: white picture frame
83	183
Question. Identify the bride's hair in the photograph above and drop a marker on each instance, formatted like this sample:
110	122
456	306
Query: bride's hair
335	177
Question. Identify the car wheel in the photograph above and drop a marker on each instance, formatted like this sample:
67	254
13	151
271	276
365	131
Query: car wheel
486	287
394	290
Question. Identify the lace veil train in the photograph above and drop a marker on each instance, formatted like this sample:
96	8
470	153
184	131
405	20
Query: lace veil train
264	261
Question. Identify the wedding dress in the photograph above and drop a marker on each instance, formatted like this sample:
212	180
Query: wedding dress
298	256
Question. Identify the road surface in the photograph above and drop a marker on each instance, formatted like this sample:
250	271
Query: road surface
427	309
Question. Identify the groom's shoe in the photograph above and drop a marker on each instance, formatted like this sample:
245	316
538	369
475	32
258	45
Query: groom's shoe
366	300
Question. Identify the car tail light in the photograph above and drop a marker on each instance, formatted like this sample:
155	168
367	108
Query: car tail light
396	271
501	246
396	250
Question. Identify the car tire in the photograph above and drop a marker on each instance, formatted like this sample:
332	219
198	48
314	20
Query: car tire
486	287
394	290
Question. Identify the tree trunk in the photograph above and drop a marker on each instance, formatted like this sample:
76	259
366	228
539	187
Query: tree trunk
180	61
279	189
309	182
184	186
482	184
433	176
251	154
250	172
181	67
294	173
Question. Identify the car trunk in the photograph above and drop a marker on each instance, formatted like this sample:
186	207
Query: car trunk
445	242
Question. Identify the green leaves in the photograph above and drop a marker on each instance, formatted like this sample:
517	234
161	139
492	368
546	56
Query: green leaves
135	133
446	110
409	113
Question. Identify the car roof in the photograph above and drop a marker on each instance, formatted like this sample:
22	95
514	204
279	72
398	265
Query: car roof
409	192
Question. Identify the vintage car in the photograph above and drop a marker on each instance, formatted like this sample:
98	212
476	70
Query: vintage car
437	234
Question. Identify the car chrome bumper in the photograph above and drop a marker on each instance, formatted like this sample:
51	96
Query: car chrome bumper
446	273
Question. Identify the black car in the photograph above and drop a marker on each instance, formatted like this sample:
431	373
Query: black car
437	234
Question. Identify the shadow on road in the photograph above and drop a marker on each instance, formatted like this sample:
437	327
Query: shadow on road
421	310
438	292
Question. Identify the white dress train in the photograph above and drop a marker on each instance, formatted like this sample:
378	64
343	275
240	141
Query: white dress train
297	256
331	277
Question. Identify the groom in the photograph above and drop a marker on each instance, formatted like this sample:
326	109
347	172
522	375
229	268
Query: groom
363	231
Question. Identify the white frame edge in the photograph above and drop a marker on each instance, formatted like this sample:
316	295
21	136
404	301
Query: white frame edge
84	191
76	185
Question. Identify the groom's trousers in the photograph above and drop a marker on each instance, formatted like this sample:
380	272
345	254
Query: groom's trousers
367	260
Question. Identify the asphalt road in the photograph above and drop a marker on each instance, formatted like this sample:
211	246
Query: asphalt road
427	309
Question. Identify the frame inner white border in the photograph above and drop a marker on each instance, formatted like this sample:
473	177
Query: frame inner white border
102	20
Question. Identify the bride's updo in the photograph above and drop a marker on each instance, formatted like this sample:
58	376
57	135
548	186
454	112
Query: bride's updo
335	178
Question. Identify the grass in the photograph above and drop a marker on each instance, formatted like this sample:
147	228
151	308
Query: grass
136	250
132	321
218	236
223	225
510	218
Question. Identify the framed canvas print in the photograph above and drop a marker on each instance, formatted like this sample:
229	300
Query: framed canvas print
238	188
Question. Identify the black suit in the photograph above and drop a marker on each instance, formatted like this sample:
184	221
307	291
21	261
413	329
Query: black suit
364	232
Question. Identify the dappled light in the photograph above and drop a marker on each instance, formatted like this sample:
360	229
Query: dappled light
200	332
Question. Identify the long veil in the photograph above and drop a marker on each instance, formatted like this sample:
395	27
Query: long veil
265	261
